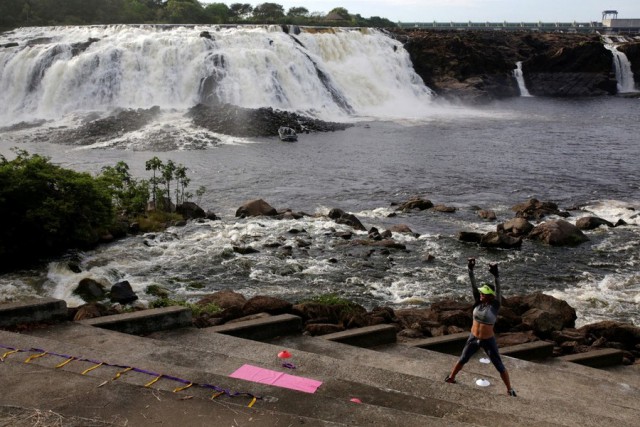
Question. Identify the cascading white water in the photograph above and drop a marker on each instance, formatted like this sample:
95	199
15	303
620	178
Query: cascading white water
624	74
519	75
329	74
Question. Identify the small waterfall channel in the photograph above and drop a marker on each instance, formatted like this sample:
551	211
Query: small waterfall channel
624	75
519	75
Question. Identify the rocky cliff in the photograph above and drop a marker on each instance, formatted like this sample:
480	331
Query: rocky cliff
478	65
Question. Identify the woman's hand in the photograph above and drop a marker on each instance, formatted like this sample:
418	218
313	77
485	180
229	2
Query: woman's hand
493	269
471	262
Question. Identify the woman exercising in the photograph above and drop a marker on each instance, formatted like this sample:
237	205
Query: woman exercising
487	301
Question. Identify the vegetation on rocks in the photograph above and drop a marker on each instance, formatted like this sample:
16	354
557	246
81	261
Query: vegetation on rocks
47	209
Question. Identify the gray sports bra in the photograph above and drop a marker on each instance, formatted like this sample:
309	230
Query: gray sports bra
485	313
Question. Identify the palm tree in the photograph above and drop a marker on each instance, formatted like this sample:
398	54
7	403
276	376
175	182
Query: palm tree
154	165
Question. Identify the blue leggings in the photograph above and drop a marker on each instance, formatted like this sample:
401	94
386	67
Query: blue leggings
489	345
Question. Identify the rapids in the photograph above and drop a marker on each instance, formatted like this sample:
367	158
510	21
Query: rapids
581	154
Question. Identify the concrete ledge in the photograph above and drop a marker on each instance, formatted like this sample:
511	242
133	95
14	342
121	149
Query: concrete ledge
369	336
145	321
37	310
535	350
449	344
596	358
262	329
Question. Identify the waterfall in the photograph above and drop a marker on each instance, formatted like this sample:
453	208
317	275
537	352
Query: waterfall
519	75
331	74
622	66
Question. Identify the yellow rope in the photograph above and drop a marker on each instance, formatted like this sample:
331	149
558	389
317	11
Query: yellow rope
252	402
34	356
4	356
86	371
182	388
150	383
65	362
120	373
217	395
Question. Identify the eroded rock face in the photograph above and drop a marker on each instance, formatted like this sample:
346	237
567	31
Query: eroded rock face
478	65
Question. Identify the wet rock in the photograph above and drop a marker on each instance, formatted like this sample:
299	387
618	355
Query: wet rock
534	209
256	208
444	209
415	203
90	311
122	293
157	291
591	223
558	233
487	215
266	304
500	240
516	227
469	236
317	329
245	250
190	210
558	308
342	217
232	120
224	299
90	290
384	243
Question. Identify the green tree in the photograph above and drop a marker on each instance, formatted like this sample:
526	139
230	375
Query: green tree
168	174
297	12
154	164
217	13
341	11
47	209
184	12
268	12
129	196
182	182
240	11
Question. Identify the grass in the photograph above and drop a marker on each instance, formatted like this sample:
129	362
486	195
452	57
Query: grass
196	310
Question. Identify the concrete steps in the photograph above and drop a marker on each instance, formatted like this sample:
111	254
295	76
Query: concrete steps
39	310
330	404
144	322
399	384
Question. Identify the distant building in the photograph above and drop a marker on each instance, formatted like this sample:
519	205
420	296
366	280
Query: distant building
612	24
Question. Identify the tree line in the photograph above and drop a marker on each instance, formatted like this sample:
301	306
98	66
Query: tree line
25	13
47	209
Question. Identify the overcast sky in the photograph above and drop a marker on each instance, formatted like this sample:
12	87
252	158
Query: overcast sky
469	10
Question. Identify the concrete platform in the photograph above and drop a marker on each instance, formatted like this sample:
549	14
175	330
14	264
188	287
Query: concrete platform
145	321
262	329
449	344
39	310
537	350
596	358
370	336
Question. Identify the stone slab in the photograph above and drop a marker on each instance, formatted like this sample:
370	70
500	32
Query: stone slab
32	311
536	350
145	321
449	344
596	358
262	329
367	337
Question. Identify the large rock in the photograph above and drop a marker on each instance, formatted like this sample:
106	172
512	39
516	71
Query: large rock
542	322
122	293
266	304
592	222
342	217
517	227
415	203
558	233
500	241
224	299
534	209
190	210
256	208
625	333
90	290
558	308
